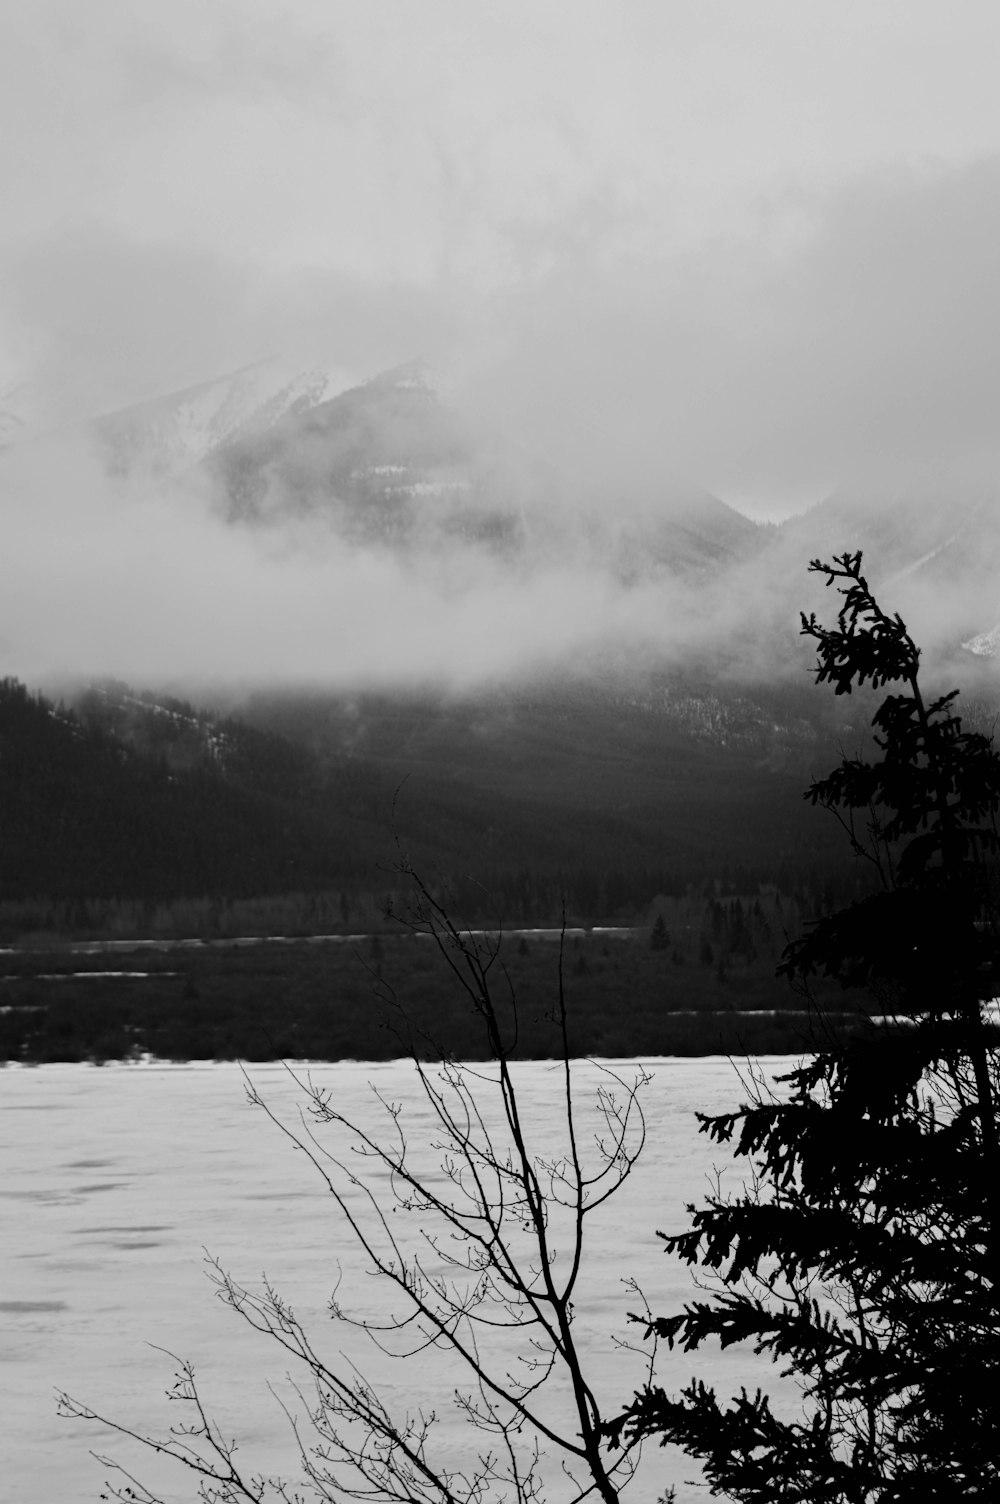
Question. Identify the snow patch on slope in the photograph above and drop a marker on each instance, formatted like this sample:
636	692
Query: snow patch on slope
169	435
984	644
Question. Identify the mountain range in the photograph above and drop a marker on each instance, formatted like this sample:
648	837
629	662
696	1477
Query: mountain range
389	463
616	776
516	802
166	435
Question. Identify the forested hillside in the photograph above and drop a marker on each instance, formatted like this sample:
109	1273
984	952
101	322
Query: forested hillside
87	815
516	804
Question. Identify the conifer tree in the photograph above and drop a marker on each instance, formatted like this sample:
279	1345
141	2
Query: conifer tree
863	1258
659	938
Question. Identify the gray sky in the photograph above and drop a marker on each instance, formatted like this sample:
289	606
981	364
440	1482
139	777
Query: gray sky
758	238
754	242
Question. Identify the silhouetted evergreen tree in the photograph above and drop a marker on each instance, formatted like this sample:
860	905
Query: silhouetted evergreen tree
864	1257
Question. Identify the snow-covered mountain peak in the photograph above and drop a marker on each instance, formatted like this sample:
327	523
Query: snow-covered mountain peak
171	434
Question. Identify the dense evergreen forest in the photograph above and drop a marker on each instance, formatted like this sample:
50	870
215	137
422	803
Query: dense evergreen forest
128	816
92	814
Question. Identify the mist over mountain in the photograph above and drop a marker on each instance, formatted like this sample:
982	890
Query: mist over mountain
165	437
258	529
595	793
290	524
357	613
389	463
932	540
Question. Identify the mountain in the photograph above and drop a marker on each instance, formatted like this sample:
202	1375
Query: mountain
162	438
380	462
931	546
97	808
941	528
600	794
396	464
390	464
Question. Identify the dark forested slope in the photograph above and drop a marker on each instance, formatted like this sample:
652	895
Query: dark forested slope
518	799
86	814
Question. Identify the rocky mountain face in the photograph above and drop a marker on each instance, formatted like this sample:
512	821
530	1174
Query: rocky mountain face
390	464
382	463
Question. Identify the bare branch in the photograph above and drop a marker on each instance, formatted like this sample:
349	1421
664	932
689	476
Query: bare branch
474	1235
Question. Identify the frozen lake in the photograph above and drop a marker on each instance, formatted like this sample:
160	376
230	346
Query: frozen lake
115	1179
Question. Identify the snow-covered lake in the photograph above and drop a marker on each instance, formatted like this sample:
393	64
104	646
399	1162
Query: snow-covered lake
115	1179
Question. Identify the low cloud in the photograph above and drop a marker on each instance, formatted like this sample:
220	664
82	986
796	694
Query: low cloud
856	332
856	336
156	588
92	320
852	341
150	583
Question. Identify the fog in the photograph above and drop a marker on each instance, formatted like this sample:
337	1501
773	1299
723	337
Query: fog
154	586
866	346
642	253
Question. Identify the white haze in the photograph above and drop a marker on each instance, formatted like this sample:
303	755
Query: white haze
151	585
753	247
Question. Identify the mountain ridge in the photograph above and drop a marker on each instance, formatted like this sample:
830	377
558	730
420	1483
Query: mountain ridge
389	465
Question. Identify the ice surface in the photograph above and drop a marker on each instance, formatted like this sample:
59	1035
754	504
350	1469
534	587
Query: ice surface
114	1180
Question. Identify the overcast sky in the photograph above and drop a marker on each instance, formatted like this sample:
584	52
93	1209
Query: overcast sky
754	243
760	236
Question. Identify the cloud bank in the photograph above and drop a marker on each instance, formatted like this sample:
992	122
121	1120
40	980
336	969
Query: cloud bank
155	588
865	348
750	247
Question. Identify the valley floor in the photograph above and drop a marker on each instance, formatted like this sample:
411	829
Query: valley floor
376	997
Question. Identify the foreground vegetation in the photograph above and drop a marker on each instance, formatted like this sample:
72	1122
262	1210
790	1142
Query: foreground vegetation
862	1256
